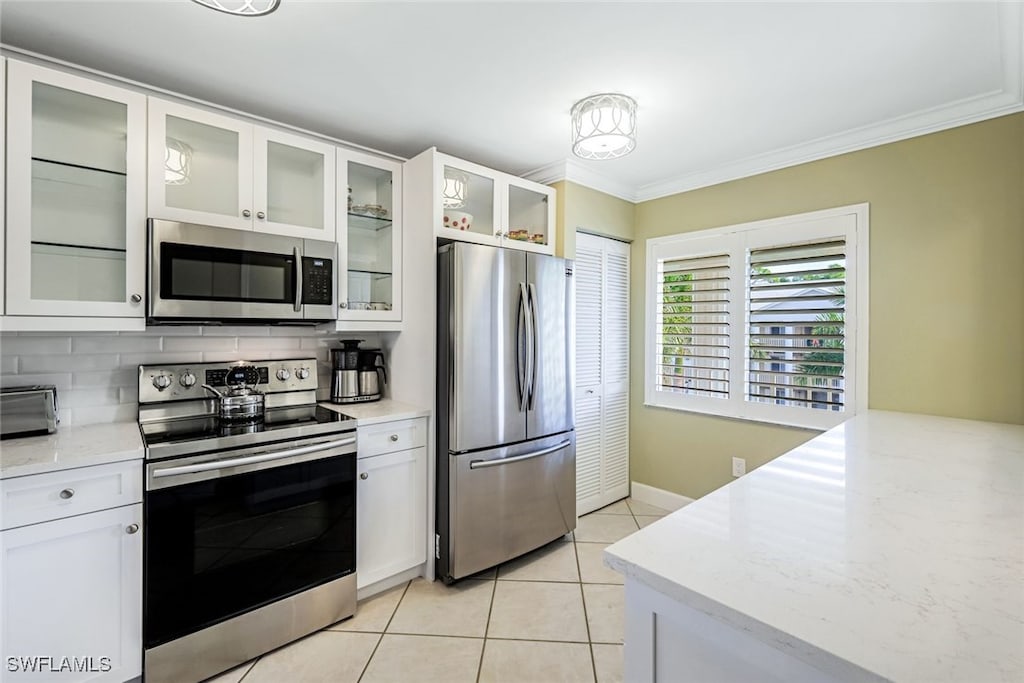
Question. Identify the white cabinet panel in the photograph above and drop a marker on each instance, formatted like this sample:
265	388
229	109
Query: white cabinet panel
391	514
73	588
602	372
369	238
53	495
217	170
76	213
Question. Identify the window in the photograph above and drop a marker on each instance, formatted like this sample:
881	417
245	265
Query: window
764	321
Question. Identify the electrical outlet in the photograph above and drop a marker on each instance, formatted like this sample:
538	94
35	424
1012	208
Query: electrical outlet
739	467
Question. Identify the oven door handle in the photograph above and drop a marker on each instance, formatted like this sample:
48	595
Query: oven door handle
251	459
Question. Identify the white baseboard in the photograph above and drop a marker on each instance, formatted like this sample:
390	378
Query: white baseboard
666	500
390	582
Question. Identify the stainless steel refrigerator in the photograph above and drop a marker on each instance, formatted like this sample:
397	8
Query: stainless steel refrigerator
506	455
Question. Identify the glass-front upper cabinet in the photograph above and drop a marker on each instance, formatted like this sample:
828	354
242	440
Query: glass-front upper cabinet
371	242
477	204
76	213
213	169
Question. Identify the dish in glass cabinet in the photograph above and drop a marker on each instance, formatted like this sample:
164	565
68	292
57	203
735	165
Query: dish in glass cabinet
458	220
520	234
373	210
538	238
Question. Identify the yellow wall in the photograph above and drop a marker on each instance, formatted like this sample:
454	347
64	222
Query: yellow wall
582	208
946	289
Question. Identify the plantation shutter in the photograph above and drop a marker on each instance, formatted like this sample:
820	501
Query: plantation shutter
796	310
692	326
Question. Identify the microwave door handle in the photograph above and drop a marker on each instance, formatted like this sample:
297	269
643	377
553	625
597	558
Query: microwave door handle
298	279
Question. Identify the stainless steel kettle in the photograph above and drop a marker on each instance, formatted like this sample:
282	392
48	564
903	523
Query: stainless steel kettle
239	403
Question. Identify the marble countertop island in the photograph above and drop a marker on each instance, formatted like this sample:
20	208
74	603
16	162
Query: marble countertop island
890	547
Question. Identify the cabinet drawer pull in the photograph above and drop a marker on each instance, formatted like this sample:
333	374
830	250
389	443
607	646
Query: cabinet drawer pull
132	528
246	213
67	493
394	437
364	475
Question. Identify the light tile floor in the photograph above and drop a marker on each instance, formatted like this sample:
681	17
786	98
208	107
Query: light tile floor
550	616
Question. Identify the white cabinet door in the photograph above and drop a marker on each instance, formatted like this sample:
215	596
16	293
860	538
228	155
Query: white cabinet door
200	166
473	203
3	214
391	514
602	372
76	210
293	185
369	238
73	588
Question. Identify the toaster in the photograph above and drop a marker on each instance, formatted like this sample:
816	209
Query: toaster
25	411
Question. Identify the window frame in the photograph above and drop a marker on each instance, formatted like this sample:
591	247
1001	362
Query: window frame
846	222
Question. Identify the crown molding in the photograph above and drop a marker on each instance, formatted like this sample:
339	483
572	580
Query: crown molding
581	174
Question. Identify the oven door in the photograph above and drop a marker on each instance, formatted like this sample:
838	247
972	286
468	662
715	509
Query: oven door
229	532
201	273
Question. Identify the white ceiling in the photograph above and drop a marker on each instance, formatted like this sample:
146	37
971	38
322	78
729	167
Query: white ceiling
724	89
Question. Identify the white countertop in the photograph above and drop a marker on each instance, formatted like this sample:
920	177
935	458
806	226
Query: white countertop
894	542
384	410
71	446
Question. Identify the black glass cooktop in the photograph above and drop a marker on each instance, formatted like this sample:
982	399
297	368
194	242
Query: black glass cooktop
277	423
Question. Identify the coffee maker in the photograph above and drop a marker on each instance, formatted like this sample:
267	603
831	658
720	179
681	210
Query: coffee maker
357	373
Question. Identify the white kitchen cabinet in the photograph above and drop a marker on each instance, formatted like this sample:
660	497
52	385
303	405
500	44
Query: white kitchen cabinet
73	588
473	203
391	503
217	170
3	214
602	372
369	238
76	212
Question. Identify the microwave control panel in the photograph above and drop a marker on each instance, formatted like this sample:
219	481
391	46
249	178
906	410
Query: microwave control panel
317	281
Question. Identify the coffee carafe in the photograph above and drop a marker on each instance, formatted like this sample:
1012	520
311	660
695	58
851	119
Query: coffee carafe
345	378
370	371
357	373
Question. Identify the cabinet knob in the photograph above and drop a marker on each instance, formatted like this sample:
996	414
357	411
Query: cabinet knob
131	528
67	493
364	475
394	437
260	215
136	298
246	213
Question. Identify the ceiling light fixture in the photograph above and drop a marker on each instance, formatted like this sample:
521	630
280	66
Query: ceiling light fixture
604	126
453	194
177	162
244	8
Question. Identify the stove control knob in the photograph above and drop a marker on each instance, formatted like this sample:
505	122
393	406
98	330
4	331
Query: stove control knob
302	373
161	382
283	374
188	380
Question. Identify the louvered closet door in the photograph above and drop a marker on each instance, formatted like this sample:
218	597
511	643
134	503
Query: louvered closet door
602	372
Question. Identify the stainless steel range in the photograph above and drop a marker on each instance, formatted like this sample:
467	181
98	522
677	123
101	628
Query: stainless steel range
250	515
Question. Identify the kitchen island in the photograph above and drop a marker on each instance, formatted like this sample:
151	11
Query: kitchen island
888	548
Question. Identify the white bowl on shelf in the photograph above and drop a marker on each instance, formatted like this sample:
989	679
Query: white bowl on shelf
458	220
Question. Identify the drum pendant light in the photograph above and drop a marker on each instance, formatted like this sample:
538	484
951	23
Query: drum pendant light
243	8
604	126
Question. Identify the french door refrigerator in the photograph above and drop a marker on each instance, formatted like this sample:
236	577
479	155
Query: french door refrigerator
506	470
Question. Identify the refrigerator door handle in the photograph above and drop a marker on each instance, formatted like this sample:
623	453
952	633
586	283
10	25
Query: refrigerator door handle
522	330
477	464
534	342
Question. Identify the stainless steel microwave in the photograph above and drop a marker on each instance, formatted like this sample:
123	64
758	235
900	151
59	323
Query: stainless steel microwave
198	273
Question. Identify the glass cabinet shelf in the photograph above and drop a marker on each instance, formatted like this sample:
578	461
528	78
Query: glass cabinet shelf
372	273
359	220
68	164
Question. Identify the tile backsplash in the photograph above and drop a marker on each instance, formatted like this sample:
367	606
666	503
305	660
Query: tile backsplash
96	373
